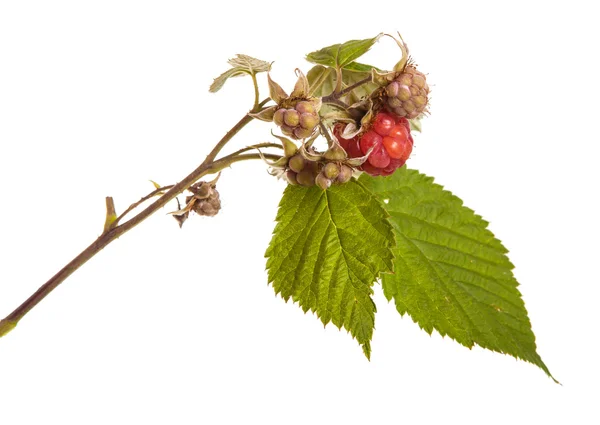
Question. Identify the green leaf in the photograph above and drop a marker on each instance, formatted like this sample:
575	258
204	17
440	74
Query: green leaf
322	80
451	273
341	55
328	248
242	65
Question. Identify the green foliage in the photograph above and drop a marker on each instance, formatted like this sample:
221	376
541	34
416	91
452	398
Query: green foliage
322	81
241	65
342	54
450	273
328	248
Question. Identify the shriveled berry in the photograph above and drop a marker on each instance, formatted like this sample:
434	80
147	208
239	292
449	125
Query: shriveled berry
306	178
322	181
383	123
297	163
331	170
368	140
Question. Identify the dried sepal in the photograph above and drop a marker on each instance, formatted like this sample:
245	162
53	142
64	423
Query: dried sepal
399	67
278	163
265	114
276	93
301	88
382	78
309	154
289	147
356	162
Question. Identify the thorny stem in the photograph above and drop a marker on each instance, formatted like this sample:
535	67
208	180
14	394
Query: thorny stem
152	194
208	166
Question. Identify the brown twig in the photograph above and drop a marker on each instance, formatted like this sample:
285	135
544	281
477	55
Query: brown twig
115	230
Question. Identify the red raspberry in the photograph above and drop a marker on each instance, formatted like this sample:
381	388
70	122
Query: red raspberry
369	140
388	139
383	123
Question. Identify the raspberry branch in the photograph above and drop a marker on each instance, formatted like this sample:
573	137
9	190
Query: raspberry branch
114	230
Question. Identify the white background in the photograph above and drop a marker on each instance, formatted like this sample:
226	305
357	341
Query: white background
179	326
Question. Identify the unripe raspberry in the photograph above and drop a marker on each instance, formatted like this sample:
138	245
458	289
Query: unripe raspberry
408	94
298	122
290	176
309	121
322	181
291	117
302	133
345	174
287	130
331	170
297	163
305	107
306	178
278	116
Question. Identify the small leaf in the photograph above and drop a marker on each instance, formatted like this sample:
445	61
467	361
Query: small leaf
321	80
156	185
327	249
359	67
451	274
341	55
250	64
415	124
242	65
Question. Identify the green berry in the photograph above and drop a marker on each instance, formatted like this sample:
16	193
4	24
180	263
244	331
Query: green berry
322	181
306	178
331	170
291	117
297	163
335	153
345	174
278	117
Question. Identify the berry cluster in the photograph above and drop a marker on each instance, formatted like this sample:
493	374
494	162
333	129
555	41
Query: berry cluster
388	140
407	95
298	122
323	174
